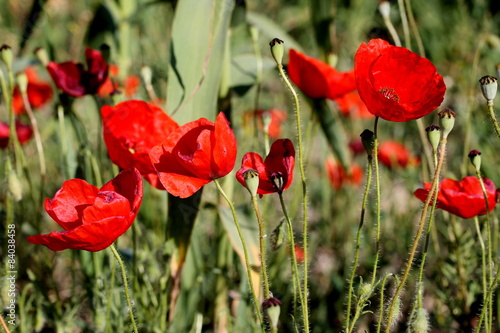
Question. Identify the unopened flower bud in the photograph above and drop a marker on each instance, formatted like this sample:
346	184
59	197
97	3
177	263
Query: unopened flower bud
266	121
434	135
254	33
475	159
278	236
368	141
146	74
447	119
421	322
384	7
489	87
396	314
251	177
333	59
14	186
277	50
22	82
42	56
272	308
7	55
365	290
277	179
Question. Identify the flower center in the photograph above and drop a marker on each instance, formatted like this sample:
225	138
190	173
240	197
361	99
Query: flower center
389	93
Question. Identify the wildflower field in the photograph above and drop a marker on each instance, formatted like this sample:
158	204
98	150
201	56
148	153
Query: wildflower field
249	166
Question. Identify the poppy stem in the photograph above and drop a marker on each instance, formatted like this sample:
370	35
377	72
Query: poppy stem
382	288
108	327
125	286
305	290
262	247
421	224
291	240
4	326
488	297
358	244
493	118
392	31
377	190
245	251
483	259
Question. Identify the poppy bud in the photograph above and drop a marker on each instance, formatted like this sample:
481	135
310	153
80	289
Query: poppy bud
277	179
254	33
384	7
251	177
421	323
368	141
277	49
272	308
7	56
447	117
434	135
277	236
266	121
146	74
333	59
489	87
42	56
475	159
393	319
14	186
365	290
22	82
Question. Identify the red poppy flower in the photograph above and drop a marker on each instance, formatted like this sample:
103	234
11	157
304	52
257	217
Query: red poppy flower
351	105
76	81
317	79
39	92
92	218
111	85
395	83
24	133
299	254
195	154
394	154
339	177
277	118
462	198
130	130
279	163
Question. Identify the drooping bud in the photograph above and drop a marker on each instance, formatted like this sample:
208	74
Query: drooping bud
7	55
421	322
384	7
278	236
277	50
42	56
489	87
251	177
396	314
277	179
447	119
475	159
368	141
434	135
272	308
22	82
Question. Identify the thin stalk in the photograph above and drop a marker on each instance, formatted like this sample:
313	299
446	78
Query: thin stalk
305	289
125	286
493	118
262	247
488	298
358	244
4	326
291	240
404	20
392	31
381	310
483	259
414	28
377	190
108	327
421	224
245	250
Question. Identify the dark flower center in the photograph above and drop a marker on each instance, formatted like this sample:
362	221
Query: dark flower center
277	180
389	93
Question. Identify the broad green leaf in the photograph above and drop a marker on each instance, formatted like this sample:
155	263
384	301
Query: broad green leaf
199	31
244	69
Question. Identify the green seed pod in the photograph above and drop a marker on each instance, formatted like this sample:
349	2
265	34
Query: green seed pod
266	121
42	56
489	87
7	55
384	7
447	119
434	135
251	177
475	159
22	82
421	322
277	50
147	75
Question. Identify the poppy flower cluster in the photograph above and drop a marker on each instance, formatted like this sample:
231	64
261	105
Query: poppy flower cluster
395	83
77	81
339	177
462	198
194	155
130	129
39	92
92	218
275	172
24	133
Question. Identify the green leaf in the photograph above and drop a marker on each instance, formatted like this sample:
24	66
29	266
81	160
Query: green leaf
199	31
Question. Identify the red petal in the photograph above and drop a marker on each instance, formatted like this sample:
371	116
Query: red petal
225	148
68	77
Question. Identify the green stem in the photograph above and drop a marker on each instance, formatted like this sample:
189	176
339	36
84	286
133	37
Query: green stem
483	259
262	247
305	289
125	286
493	118
414	28
245	250
487	300
108	326
404	20
433	191
358	243
392	31
381	310
377	189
